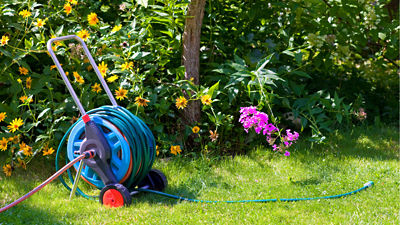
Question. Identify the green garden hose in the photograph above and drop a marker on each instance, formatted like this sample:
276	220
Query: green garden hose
137	134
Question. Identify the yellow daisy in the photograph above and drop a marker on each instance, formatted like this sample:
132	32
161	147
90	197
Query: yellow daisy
121	93
27	150
15	124
127	66
92	19
96	88
48	151
141	101
23	70
196	129
40	23
3	144
112	78
181	102
78	78
176	149
116	28
25	13
103	69
3	115
84	34
7	169
4	40
206	99
29	82
25	99
67	8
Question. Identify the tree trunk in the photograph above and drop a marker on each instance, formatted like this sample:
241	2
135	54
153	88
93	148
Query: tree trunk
191	54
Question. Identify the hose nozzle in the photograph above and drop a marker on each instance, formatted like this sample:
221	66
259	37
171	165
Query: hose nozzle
369	184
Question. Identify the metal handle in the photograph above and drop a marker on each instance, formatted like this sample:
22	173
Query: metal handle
65	78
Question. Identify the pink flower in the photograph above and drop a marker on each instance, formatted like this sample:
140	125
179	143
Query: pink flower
287	153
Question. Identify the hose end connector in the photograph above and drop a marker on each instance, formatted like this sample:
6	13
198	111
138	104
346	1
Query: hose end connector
89	154
369	184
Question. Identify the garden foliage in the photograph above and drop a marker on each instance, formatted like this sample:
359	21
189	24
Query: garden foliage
312	66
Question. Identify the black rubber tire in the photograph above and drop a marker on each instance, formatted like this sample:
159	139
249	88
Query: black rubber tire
159	179
121	189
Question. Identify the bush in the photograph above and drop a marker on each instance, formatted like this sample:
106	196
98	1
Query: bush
294	60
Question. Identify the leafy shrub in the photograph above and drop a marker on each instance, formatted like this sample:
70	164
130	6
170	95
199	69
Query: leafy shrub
312	59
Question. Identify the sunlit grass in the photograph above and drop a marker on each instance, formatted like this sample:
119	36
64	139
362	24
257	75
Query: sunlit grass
345	163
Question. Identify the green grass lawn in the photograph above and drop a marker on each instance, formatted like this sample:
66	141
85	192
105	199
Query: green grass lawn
349	160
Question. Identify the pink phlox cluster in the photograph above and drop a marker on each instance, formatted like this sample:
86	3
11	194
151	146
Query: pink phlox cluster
290	138
250	117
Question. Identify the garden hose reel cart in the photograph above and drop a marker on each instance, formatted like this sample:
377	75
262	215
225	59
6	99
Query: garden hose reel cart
124	146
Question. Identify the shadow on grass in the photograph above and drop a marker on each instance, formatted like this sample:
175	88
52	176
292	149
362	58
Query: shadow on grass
24	214
371	143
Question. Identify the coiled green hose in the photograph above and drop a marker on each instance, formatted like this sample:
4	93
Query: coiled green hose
137	134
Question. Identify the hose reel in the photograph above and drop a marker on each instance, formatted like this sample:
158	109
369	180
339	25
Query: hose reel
123	144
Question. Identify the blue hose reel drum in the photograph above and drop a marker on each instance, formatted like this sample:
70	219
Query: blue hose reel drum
121	158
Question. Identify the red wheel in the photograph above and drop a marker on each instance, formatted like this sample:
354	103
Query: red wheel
115	195
113	198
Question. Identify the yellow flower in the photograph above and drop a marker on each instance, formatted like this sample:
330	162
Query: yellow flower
157	151
19	80
3	115
25	13
40	23
127	66
116	28
78	78
53	67
176	149
92	19
27	150
7	169
141	101
3	144
57	43
96	88
67	8
23	70
196	129
181	102
15	124
73	2
206	99
103	69
21	163
4	40
25	99
121	93
29	82
84	34
112	78
48	151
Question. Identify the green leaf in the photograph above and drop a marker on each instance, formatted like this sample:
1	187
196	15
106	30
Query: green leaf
382	35
104	8
339	117
144	3
212	89
28	44
59	31
263	62
43	113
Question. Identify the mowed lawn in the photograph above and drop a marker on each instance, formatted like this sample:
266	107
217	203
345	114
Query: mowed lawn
348	160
